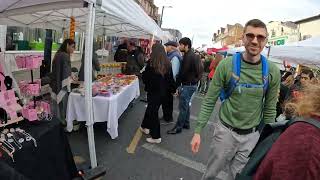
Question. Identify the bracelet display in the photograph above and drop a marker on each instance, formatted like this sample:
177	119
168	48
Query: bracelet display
12	139
27	135
6	146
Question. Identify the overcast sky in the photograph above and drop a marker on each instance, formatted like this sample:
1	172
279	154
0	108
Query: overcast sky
201	18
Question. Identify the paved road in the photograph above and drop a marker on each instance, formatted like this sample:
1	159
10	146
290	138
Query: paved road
170	160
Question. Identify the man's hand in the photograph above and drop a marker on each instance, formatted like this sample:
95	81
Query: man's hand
176	93
195	143
74	78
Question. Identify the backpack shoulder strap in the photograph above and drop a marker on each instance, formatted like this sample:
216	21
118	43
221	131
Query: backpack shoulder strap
234	79
265	74
310	121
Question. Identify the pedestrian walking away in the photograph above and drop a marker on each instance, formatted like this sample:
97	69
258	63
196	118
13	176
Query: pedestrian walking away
159	82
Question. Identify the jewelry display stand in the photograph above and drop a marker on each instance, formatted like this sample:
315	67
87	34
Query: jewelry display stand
8	102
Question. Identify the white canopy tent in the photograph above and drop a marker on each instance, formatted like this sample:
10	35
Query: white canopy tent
133	14
305	52
117	17
122	18
169	36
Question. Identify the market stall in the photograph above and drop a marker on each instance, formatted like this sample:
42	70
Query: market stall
118	17
112	96
216	50
122	18
31	139
25	12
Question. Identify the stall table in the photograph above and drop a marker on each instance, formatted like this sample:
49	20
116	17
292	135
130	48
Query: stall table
52	159
104	108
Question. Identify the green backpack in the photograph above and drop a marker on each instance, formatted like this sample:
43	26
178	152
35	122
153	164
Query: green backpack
269	135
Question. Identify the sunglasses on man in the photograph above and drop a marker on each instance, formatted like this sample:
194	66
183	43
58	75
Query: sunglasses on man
251	36
304	78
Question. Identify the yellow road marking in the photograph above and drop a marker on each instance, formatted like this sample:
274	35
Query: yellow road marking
78	159
134	142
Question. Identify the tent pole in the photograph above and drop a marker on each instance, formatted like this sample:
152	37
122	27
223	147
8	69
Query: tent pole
88	84
82	43
103	46
269	51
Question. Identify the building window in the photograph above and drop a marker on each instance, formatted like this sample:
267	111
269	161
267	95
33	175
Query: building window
273	33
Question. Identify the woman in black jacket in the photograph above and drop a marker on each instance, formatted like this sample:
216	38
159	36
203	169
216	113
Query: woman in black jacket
158	80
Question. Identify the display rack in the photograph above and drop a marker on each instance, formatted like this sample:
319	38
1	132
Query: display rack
17	120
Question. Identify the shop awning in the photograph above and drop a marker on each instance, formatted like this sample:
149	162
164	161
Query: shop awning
215	50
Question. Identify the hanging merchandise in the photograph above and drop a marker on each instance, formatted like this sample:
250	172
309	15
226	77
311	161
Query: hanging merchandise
5	82
72	27
34	110
8	103
10	106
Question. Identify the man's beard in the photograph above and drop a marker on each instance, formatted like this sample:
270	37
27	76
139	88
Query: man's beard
252	53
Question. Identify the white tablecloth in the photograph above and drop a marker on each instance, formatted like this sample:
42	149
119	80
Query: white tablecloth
104	108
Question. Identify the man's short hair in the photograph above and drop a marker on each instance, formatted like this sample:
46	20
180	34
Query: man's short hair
307	72
132	43
171	43
255	23
185	41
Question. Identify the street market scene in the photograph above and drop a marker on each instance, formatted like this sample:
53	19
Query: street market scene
159	90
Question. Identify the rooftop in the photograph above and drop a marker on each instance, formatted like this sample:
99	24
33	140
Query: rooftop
312	18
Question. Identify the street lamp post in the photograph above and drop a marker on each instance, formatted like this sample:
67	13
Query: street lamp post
162	13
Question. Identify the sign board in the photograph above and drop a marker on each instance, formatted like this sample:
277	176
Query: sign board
282	40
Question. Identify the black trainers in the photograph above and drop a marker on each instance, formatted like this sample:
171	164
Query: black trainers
174	131
186	127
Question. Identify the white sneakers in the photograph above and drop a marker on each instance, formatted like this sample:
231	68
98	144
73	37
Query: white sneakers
150	140
154	141
145	130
